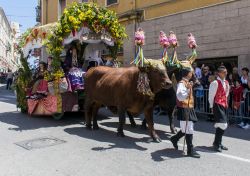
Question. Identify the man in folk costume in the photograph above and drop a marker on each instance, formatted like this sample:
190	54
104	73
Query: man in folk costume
218	95
185	112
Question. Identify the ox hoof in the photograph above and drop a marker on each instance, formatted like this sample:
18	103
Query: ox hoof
95	127
120	134
157	139
173	130
133	125
144	127
89	126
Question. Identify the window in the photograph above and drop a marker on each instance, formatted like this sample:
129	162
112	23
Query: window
83	1
111	2
61	7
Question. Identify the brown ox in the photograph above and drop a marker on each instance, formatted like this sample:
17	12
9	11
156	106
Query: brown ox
117	87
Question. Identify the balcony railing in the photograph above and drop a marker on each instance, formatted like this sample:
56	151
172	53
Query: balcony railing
38	13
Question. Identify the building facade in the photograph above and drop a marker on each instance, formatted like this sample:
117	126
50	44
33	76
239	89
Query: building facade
50	11
8	61
15	26
221	27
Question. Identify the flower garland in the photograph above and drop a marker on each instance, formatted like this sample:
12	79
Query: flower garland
192	45
191	41
164	42
83	15
24	38
172	42
22	84
139	42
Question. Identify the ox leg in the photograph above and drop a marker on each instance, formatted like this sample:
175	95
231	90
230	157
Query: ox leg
149	118
171	122
88	116
144	124
94	116
122	116
131	119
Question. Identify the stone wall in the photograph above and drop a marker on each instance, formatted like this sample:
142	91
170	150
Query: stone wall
221	31
128	46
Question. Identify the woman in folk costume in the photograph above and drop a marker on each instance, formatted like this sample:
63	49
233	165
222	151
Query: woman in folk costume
218	95
185	112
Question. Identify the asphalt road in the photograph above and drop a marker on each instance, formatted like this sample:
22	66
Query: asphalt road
81	152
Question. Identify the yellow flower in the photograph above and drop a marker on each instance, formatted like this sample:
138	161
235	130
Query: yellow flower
81	16
66	11
71	18
67	30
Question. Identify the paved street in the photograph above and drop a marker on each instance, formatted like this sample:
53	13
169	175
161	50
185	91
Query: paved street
84	152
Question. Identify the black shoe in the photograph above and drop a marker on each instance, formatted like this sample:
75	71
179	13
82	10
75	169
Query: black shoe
217	148
174	139
223	147
217	140
190	149
193	154
174	142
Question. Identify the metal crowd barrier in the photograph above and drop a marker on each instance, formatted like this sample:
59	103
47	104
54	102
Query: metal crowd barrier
237	111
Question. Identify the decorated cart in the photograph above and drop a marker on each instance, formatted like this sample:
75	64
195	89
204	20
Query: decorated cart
73	45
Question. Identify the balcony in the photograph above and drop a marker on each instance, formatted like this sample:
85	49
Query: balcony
38	13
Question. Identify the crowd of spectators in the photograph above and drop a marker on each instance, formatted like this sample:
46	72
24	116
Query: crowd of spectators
239	99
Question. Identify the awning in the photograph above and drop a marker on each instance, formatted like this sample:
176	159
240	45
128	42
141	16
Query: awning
85	35
37	36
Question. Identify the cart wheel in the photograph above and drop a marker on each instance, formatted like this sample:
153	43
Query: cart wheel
58	116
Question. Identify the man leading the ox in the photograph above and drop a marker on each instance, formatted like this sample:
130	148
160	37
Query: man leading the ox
185	112
218	94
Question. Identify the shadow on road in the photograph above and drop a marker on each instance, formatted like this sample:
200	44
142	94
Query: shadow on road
206	149
103	135
166	153
208	127
138	130
232	131
25	122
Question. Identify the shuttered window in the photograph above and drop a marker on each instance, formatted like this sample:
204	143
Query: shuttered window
110	2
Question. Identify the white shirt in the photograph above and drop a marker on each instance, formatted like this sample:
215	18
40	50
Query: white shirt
244	81
182	92
213	89
93	52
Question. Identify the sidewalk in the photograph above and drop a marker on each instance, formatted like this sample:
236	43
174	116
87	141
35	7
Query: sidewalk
7	96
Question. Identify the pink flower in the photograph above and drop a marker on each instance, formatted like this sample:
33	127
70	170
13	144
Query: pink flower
191	41
163	39
172	39
139	37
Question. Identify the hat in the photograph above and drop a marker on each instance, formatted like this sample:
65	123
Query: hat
186	70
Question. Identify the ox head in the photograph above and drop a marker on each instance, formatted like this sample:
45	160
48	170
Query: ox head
176	73
157	74
175	70
173	64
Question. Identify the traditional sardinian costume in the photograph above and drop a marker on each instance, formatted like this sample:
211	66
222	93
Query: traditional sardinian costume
185	114
218	100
